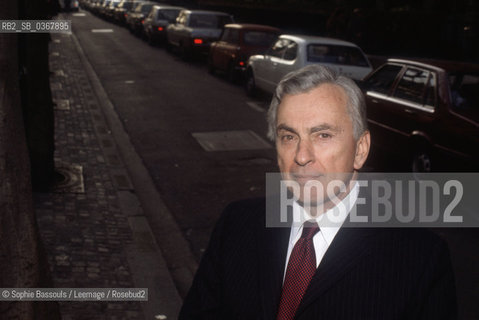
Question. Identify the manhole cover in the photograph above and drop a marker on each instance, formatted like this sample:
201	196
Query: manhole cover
68	179
230	140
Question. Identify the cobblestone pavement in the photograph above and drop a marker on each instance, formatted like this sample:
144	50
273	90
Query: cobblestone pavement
83	228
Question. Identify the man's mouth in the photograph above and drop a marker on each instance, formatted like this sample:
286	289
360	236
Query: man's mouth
303	178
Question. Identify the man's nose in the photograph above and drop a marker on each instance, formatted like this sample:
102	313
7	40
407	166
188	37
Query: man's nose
304	153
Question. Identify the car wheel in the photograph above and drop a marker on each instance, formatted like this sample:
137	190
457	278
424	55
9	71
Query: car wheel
421	161
250	85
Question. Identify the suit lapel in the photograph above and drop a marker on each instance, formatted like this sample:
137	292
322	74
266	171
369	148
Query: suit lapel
346	250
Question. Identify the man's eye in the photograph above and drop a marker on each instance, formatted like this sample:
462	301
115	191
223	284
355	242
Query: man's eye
325	135
287	137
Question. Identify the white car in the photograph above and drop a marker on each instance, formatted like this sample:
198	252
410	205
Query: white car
292	52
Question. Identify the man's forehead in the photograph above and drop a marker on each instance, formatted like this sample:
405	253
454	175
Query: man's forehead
325	92
327	98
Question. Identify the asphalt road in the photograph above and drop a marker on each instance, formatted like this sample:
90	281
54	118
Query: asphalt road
165	102
162	102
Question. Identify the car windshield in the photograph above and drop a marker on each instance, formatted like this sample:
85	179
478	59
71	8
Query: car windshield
259	38
336	54
465	92
208	21
168	14
146	8
127	5
136	5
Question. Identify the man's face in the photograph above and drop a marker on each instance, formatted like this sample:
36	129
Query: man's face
315	140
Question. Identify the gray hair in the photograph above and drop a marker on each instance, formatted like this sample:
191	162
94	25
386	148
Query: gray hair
311	77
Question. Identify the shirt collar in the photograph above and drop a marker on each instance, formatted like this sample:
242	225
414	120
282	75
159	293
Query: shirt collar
330	221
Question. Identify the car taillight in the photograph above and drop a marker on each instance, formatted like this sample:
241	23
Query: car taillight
241	63
160	28
198	41
142	21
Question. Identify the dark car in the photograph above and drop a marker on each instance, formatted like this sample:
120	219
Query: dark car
136	18
195	30
69	5
109	11
427	112
237	43
123	9
158	20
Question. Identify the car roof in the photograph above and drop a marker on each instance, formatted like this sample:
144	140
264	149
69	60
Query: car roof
444	65
252	26
142	3
162	6
206	12
305	39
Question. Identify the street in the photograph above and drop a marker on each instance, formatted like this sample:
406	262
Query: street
162	102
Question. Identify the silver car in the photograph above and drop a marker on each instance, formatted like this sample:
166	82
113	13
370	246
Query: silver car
292	52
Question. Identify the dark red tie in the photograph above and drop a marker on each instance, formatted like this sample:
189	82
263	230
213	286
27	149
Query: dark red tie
300	271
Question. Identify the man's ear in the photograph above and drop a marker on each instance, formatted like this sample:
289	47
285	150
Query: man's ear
362	150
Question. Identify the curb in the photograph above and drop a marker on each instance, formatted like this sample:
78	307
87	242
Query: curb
160	260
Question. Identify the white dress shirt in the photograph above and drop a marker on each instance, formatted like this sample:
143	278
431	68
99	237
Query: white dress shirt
329	224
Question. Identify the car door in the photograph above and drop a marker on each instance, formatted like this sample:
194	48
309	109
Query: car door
219	51
266	69
183	30
174	29
414	102
458	124
149	21
286	63
378	88
229	48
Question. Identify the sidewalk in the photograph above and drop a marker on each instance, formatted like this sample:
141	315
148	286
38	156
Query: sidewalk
92	224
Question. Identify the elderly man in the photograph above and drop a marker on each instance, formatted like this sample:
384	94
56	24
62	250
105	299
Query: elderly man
306	269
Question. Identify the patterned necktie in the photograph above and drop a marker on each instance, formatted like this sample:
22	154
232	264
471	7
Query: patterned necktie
301	268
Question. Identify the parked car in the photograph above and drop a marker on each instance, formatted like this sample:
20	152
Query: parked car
96	6
123	9
292	52
102	9
426	112
195	30
135	19
158	20
109	11
237	43
69	5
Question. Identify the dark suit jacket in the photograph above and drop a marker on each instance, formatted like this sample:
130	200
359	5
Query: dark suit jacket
365	274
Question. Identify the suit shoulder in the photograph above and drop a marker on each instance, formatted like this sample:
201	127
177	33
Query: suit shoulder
422	244
245	207
242	214
418	236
